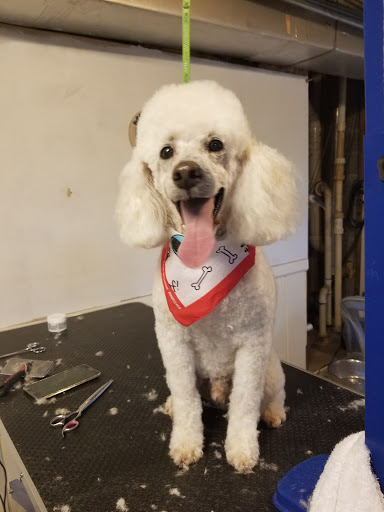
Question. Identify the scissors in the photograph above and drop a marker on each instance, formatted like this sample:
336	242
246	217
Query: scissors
69	421
31	347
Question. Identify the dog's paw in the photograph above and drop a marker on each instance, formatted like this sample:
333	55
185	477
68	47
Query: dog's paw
243	460
186	446
274	415
186	453
242	453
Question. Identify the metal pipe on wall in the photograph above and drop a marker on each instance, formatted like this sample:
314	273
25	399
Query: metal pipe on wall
315	238
338	228
325	295
329	11
323	299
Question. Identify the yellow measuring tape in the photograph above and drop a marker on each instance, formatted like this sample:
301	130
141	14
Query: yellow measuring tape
186	22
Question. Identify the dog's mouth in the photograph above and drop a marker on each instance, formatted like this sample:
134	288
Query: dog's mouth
199	216
218	200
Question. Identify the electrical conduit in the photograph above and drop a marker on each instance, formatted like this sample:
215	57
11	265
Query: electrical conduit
338	229
325	295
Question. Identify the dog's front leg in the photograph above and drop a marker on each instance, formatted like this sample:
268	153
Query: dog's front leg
241	445
186	444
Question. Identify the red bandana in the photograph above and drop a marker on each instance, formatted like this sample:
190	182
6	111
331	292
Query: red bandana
193	293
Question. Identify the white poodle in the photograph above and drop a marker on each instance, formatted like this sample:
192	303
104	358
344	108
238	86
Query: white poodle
199	185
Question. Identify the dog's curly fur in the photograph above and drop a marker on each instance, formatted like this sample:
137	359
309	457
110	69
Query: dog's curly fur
231	347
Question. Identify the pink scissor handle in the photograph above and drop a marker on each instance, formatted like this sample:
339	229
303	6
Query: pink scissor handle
71	425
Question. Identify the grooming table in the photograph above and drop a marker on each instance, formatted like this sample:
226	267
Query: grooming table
125	455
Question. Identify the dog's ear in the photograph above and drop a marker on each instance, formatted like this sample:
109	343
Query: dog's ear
141	213
264	203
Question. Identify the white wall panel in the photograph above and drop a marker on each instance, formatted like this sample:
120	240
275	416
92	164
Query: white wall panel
290	333
295	300
280	330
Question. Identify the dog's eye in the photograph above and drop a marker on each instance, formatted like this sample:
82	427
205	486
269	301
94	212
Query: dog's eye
215	145
166	152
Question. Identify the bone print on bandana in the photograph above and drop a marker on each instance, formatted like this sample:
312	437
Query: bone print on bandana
199	290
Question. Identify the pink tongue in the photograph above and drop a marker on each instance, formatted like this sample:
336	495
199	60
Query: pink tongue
199	239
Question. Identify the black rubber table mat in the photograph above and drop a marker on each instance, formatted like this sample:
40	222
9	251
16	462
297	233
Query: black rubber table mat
125	455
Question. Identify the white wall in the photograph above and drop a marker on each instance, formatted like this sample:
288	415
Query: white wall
65	104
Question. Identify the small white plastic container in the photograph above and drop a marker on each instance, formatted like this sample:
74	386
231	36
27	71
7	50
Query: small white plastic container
57	322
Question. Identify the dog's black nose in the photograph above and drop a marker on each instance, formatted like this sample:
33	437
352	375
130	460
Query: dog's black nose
187	174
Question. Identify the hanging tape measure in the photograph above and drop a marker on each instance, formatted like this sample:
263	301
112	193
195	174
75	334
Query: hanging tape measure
186	22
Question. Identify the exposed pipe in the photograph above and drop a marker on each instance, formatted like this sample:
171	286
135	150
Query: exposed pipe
323	298
325	295
338	228
315	238
325	10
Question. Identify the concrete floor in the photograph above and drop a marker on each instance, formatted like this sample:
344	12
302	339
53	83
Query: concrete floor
321	351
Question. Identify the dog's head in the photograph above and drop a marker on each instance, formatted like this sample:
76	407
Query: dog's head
197	170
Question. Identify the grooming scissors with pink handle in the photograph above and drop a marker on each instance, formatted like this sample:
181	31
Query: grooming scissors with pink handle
69	421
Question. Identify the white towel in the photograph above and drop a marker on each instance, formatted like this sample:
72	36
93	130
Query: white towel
347	483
